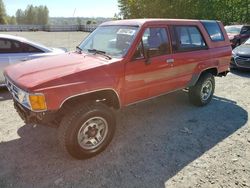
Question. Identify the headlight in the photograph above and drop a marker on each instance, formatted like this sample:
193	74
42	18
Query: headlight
23	98
35	102
234	54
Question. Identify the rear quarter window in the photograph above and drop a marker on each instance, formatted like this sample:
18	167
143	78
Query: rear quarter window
30	49
214	31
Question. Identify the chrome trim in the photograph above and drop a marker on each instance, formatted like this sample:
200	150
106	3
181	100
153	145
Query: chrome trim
88	92
13	89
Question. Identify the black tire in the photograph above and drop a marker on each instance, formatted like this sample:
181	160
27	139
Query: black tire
75	121
196	93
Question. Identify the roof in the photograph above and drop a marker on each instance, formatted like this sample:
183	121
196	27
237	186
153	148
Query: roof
5	36
140	22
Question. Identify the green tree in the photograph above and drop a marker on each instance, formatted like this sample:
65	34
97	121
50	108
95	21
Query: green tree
20	16
33	15
228	11
45	15
2	13
11	20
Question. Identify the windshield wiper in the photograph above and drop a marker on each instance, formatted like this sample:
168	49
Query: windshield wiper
78	49
95	51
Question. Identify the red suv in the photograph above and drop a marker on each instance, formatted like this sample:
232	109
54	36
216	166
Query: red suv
119	64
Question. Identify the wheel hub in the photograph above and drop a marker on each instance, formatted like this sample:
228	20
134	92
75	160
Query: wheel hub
92	133
206	90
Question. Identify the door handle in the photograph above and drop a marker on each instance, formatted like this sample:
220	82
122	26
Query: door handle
25	59
170	61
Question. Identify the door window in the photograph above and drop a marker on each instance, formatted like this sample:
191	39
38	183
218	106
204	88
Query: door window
154	42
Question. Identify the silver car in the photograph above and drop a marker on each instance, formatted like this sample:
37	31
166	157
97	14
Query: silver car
15	49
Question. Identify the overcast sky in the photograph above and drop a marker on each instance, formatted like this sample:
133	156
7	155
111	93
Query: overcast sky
66	8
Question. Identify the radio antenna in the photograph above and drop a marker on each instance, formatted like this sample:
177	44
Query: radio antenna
71	30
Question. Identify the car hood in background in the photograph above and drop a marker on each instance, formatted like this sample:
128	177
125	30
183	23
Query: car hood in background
34	72
242	50
52	52
59	50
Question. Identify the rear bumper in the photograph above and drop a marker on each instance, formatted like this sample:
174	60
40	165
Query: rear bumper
29	117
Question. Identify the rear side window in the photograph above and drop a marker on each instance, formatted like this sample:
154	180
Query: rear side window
30	49
188	38
214	31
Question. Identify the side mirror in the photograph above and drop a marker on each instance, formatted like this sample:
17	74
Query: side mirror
137	55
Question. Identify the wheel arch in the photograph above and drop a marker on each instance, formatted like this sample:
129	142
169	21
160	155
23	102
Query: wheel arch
196	76
108	96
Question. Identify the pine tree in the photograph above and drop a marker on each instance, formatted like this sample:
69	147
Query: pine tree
2	13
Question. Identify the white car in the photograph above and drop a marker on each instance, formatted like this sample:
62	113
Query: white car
15	49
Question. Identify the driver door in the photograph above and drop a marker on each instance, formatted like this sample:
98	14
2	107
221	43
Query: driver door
151	70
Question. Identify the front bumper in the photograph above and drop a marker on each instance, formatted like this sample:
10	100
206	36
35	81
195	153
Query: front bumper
30	117
240	62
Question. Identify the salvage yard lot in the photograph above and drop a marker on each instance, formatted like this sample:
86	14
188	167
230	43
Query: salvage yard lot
162	142
68	40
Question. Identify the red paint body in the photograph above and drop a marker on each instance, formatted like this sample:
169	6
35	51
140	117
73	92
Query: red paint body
61	77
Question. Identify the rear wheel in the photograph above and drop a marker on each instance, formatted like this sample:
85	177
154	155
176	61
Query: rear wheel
202	93
87	130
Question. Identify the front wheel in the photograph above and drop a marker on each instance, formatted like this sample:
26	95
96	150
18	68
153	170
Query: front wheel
202	93
87	130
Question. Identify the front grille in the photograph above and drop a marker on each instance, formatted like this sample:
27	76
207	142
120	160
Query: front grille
12	88
243	61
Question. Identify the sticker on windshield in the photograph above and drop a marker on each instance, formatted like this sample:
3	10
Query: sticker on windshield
126	32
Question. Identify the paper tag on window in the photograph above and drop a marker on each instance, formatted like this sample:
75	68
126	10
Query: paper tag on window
126	32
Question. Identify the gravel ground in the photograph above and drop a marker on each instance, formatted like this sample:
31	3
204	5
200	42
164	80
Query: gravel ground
68	40
164	142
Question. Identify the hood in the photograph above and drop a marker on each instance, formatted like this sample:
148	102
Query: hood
38	71
242	50
59	50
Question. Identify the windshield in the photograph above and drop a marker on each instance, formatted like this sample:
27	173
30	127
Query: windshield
233	29
111	40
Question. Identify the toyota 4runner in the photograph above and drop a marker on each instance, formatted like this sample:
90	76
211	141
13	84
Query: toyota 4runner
120	63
